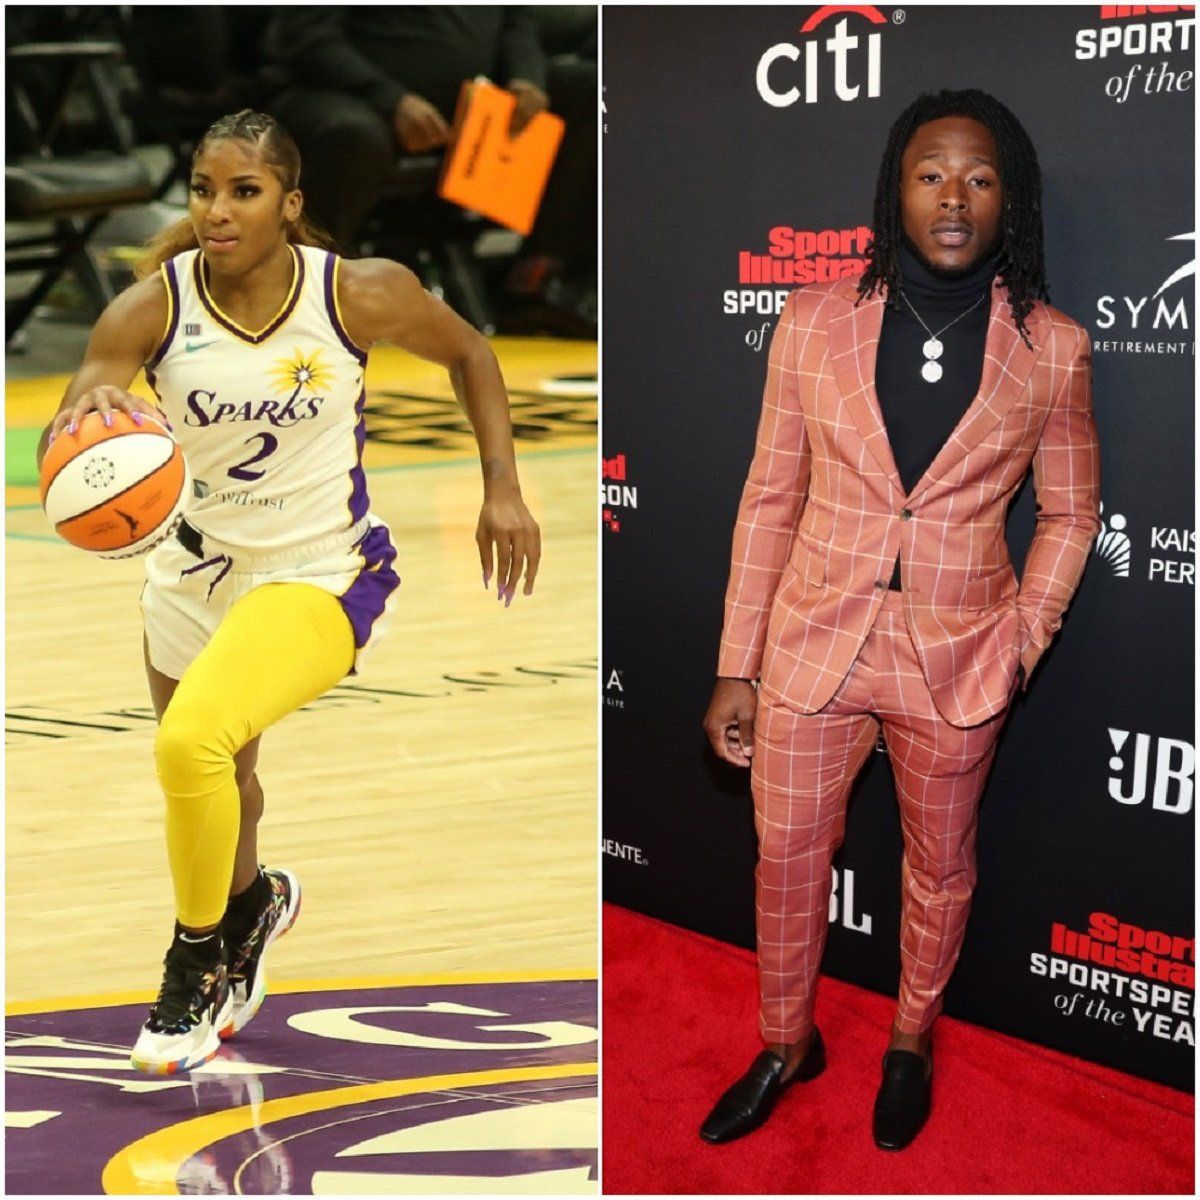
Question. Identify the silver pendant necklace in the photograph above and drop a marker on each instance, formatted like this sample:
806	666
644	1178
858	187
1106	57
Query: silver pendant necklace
931	371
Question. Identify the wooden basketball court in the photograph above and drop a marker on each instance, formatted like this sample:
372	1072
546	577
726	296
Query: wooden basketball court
440	809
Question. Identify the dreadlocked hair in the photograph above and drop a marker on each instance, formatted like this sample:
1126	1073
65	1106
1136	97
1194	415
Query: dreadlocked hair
1022	263
278	151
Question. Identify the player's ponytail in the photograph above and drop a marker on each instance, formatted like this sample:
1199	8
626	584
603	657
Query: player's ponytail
278	151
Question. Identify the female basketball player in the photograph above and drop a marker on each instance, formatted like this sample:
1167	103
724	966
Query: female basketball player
254	338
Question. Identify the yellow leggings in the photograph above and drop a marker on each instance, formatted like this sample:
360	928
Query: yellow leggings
279	647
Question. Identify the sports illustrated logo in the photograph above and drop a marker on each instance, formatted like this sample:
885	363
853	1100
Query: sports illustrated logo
788	73
625	852
1123	975
1172	557
615	494
614	689
1113	544
1142	324
793	257
841	904
1141	766
1126	33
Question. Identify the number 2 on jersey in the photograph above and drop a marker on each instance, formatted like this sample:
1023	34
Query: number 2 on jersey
270	443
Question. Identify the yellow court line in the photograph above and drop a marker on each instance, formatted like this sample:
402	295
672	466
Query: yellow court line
25	1008
166	1150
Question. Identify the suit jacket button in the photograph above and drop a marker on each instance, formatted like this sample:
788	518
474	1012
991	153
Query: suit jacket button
906	514
881	584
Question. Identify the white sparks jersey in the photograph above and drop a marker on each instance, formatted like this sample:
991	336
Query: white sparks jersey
271	422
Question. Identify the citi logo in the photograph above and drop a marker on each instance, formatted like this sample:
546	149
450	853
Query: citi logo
779	85
1162	768
1113	544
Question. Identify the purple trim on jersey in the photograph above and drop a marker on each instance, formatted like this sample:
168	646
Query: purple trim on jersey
252	339
359	503
331	261
366	598
168	271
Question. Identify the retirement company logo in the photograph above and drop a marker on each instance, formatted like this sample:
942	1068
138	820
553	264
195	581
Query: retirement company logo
1164	554
1137	980
616	494
1153	316
838	56
1148	46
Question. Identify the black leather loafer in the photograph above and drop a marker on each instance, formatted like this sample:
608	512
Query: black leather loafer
748	1103
902	1106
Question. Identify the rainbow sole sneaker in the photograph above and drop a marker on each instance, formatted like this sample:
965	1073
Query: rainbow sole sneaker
247	976
194	1007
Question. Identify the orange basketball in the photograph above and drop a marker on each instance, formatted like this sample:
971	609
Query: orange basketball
115	490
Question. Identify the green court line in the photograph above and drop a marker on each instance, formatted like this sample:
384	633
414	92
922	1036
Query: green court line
20	457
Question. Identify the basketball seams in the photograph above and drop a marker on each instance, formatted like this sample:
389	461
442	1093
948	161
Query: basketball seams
91	483
175	461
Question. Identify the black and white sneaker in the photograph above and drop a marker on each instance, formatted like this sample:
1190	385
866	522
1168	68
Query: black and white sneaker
193	1010
247	978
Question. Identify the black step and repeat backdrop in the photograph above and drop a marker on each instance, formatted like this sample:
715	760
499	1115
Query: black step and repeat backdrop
740	152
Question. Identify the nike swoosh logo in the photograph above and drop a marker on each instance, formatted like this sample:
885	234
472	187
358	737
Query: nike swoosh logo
192	349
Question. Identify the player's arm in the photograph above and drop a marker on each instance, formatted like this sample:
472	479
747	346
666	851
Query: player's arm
381	301
126	335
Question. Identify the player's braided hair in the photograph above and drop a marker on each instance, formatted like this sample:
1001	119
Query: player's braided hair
268	137
277	150
1022	262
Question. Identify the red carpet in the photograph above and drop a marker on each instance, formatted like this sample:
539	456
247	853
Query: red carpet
1008	1117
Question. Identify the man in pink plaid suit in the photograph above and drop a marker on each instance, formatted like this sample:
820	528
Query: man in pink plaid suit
871	588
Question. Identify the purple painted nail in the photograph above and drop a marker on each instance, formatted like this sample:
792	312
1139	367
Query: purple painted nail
138	418
108	420
74	425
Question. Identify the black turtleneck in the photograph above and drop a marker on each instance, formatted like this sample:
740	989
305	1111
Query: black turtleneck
920	416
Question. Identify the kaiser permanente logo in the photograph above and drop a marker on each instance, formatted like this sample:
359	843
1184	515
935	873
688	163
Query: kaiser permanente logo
1171	557
844	65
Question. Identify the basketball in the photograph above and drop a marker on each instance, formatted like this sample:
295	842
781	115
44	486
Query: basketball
117	490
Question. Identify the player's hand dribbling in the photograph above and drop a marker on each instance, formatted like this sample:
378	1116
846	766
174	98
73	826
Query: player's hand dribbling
729	721
509	539
106	400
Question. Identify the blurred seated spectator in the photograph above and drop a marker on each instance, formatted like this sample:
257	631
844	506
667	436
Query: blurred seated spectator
175	105
370	82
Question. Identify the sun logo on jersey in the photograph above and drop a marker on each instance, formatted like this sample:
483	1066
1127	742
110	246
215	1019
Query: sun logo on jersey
302	372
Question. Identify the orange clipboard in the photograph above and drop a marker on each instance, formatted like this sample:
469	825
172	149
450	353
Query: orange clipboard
486	171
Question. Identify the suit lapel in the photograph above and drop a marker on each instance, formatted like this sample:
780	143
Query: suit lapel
853	342
1007	365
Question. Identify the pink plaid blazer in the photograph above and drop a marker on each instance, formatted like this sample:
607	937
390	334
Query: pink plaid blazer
824	514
